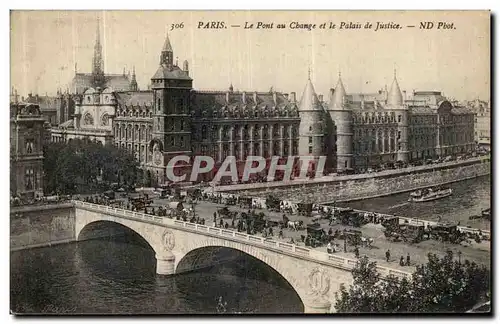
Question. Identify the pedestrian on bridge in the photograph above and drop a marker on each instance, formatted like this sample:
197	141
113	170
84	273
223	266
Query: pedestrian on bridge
215	217
388	256
356	252
408	259
402	261
280	234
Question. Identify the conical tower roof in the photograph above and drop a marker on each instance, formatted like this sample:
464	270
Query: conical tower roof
394	97
337	100
309	100
166	46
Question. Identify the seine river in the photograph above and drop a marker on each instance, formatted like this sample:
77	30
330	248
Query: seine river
469	198
119	277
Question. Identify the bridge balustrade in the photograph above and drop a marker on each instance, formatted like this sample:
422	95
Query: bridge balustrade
292	249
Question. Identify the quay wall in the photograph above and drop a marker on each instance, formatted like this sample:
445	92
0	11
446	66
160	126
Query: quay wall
47	225
357	187
38	226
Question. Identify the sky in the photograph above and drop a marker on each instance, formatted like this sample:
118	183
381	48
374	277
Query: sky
46	45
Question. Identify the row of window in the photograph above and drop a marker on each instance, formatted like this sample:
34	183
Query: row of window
378	118
133	132
244	132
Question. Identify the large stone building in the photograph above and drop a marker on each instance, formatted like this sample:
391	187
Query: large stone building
27	136
482	124
354	131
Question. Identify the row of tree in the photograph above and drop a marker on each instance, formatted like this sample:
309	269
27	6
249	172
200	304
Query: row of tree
439	286
82	166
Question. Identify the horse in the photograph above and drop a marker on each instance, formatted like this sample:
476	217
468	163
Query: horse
296	225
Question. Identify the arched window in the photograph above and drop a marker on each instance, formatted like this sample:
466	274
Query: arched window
203	132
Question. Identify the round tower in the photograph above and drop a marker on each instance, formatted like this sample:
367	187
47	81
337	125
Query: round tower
395	102
311	128
341	115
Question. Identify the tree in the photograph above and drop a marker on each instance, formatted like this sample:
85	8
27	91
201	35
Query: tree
440	285
77	166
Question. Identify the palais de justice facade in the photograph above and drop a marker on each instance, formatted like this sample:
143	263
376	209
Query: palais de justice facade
172	118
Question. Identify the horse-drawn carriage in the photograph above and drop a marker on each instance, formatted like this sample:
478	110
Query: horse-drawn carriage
305	209
194	193
353	237
255	222
446	233
230	201
226	213
403	232
348	216
273	203
245	202
315	235
140	203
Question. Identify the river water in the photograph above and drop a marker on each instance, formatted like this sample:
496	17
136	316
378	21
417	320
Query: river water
469	198
118	276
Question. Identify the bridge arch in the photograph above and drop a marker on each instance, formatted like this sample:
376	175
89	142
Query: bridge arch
107	228
311	283
247	266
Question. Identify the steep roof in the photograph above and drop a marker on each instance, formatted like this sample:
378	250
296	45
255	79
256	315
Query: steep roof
211	102
134	98
83	81
337	98
167	47
395	98
309	100
164	72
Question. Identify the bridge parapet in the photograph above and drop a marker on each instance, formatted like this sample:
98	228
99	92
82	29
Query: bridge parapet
294	250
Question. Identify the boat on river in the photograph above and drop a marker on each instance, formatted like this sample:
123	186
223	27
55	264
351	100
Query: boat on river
429	194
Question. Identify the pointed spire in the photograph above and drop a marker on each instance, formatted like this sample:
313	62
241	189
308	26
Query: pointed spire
394	97
97	61
98	34
337	100
166	46
309	100
167	54
133	82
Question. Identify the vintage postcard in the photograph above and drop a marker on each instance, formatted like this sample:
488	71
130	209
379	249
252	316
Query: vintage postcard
244	162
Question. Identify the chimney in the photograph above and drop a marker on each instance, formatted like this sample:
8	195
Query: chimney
292	96
255	97
227	97
275	98
244	97
404	96
320	98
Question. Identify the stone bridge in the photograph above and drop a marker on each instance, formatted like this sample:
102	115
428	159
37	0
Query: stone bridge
183	246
